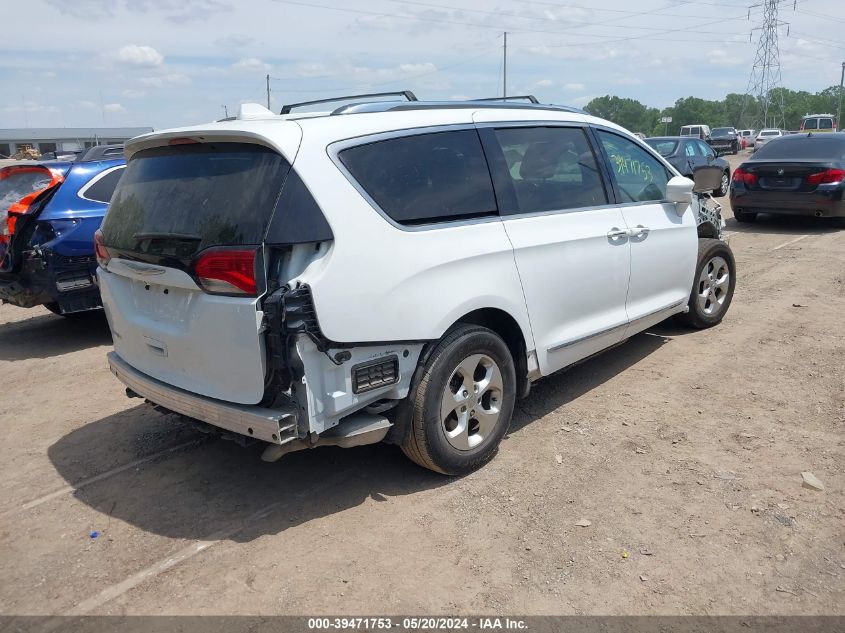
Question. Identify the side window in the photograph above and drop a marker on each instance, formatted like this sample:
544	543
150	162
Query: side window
689	149
640	177
425	178
551	168
705	150
102	190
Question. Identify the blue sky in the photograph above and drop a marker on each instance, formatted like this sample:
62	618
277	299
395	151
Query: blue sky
173	62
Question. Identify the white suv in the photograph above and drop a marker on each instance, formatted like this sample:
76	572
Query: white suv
397	272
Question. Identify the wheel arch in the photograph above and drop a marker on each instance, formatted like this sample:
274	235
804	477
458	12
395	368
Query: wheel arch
507	327
499	321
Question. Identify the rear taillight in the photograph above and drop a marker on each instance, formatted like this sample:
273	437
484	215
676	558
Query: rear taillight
100	249
826	177
228	272
746	178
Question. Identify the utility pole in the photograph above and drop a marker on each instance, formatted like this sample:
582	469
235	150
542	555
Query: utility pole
505	68
839	109
765	74
225	112
268	91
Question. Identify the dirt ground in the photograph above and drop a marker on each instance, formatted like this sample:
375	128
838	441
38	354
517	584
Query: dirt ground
683	449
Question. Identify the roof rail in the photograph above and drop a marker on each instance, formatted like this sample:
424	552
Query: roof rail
528	98
407	94
389	106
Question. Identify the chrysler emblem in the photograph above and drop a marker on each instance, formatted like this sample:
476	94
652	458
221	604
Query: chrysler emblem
780	172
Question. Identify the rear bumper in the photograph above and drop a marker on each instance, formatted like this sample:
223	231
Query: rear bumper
51	278
826	204
723	145
277	426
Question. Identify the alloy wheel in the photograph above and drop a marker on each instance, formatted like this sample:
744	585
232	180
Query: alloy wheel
713	284
471	402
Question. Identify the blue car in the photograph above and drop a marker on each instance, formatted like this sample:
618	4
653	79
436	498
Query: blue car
47	235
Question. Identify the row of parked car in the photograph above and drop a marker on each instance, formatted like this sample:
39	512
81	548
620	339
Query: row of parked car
386	271
729	140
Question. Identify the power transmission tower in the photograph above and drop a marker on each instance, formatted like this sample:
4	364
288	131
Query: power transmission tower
764	84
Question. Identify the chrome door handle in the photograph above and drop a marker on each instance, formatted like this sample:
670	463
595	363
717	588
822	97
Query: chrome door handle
638	231
616	233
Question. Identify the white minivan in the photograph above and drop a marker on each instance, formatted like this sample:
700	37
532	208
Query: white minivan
698	131
394	272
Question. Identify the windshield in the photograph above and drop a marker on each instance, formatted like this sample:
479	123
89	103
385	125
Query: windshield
723	131
769	133
176	201
817	147
664	148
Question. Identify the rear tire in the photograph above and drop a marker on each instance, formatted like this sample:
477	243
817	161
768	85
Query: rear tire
462	406
722	191
745	216
713	288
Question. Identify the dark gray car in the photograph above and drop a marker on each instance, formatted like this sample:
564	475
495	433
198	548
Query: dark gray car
686	154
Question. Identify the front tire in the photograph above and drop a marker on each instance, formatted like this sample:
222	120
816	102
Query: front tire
462	406
713	290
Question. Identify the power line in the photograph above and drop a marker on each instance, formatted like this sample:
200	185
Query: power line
392	81
820	15
418	18
572	23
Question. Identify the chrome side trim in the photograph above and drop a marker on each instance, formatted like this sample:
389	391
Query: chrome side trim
581	339
277	426
672	309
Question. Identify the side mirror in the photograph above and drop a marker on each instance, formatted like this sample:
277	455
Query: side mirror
679	191
707	178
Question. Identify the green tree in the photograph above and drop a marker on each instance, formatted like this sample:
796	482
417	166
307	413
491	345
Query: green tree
629	113
736	110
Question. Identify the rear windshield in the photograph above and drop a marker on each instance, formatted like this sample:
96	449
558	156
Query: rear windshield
18	183
723	131
769	133
181	199
664	148
819	147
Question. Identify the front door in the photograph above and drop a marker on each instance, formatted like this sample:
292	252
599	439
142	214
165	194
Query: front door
663	243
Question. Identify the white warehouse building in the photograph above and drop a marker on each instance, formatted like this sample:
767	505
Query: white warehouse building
50	139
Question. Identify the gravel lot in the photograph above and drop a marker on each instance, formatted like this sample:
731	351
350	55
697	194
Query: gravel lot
683	449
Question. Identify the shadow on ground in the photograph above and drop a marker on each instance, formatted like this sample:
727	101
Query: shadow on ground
48	335
211	485
549	394
767	224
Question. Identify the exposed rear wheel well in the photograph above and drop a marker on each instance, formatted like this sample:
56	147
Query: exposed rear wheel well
707	230
505	326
